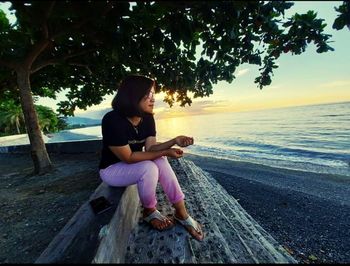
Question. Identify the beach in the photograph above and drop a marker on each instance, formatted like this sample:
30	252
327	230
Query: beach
307	213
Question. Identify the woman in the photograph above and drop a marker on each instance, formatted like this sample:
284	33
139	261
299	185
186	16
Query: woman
128	128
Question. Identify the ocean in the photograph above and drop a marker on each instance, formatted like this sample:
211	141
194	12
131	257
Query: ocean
312	138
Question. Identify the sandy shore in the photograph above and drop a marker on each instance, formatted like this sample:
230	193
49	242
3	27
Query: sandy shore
307	213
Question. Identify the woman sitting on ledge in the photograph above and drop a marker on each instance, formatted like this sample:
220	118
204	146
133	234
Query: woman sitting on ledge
128	128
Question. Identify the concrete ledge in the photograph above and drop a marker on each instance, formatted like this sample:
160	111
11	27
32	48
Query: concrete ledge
231	234
83	146
113	244
77	242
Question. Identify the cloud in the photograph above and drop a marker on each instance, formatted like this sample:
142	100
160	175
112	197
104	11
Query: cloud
242	72
273	87
196	108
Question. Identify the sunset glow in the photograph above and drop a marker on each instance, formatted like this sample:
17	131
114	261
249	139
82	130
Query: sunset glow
306	79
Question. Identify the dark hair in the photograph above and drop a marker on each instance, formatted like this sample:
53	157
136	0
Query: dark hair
131	90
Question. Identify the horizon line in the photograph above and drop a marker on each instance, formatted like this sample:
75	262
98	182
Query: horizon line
210	113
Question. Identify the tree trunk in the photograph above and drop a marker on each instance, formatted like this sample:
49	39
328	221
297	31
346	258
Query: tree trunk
17	126
41	160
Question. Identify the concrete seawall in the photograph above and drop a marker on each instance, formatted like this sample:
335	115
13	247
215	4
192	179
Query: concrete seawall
83	146
120	236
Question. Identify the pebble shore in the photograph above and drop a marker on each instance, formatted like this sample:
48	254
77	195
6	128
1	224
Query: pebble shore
307	213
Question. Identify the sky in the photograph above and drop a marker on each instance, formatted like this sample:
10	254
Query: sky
309	78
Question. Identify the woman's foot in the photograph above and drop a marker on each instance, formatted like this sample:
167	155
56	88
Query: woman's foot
192	226
157	220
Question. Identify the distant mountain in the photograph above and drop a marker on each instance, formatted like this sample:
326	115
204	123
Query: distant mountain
78	120
96	114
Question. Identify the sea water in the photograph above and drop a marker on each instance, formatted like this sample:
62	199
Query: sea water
312	138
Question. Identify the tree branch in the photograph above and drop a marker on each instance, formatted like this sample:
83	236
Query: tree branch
45	30
36	51
55	61
46	17
81	23
75	26
81	65
41	46
49	10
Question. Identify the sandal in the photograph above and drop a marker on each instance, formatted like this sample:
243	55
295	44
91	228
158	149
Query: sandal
189	221
157	215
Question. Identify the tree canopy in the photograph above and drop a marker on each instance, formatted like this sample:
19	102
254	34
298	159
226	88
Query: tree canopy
92	45
88	47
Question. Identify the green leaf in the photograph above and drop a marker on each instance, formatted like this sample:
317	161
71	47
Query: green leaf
4	22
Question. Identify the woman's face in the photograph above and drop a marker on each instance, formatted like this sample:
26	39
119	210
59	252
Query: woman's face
147	102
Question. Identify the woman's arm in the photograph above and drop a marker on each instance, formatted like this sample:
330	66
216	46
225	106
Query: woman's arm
125	154
153	145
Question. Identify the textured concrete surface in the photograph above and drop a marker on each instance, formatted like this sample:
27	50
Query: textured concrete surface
78	240
232	235
114	236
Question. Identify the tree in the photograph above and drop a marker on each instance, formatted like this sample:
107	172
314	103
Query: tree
48	119
89	47
12	118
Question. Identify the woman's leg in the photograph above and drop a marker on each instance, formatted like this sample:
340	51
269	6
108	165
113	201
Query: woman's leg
145	175
172	189
168	180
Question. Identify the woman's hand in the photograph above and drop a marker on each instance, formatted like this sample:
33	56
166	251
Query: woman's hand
183	141
174	153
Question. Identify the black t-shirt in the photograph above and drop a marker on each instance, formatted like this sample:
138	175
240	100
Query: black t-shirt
117	130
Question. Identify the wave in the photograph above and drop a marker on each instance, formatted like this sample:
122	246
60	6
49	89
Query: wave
301	163
245	146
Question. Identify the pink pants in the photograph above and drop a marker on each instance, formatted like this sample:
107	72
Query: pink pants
145	174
